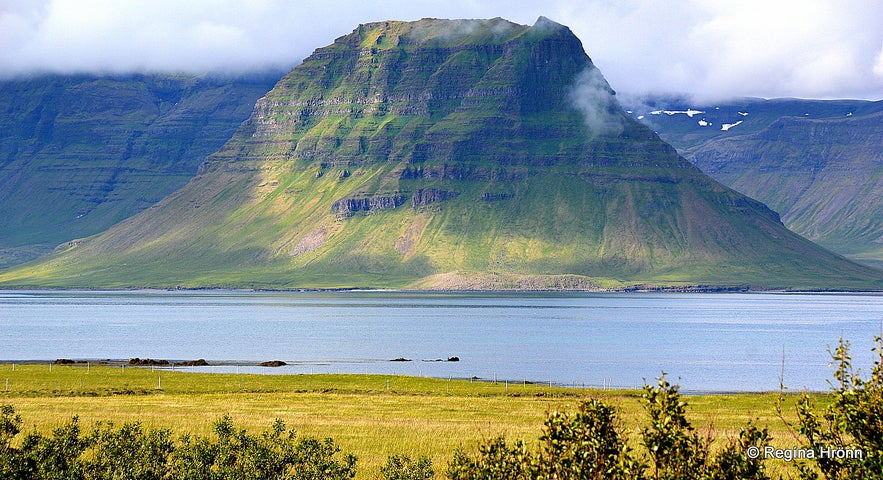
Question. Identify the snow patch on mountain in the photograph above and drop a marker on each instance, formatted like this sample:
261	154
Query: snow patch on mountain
688	112
727	126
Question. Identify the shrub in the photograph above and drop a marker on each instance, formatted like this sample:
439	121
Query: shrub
496	460
277	454
55	457
852	422
127	453
676	450
734	464
10	426
587	444
403	468
130	453
591	444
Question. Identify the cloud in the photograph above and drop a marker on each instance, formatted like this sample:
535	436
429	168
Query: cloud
120	36
808	48
878	65
196	35
593	97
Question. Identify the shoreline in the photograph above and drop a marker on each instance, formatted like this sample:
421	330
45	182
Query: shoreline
272	370
630	289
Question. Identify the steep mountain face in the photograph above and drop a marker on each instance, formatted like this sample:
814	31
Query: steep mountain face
447	154
818	163
825	177
80	153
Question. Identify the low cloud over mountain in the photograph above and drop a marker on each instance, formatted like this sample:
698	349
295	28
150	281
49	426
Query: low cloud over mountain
815	48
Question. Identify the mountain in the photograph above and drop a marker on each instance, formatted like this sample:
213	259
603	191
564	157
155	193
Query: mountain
79	153
447	154
686	124
818	163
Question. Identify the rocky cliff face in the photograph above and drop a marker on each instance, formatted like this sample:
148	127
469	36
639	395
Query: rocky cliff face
519	164
80	153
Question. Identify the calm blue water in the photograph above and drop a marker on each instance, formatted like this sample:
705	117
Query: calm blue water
706	342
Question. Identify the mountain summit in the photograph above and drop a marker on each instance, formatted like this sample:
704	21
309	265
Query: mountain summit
447	154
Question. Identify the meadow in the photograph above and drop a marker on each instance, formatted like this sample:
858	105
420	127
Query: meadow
370	416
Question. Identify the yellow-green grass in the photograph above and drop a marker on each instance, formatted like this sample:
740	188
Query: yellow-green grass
414	416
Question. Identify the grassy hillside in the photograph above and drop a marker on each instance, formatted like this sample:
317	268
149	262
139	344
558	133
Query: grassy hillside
447	154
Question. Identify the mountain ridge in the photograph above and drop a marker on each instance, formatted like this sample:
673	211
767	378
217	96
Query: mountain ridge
79	153
411	151
818	163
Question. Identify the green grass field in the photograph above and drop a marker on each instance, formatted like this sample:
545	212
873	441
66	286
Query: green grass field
413	416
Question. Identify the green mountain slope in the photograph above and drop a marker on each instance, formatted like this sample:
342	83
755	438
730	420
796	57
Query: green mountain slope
447	154
80	153
819	163
825	177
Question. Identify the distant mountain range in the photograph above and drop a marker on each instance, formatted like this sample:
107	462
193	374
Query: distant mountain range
819	164
439	154
80	153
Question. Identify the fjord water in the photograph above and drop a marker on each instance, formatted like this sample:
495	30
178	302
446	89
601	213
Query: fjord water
706	342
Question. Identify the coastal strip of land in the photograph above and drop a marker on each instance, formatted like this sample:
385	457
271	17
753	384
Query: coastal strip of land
371	416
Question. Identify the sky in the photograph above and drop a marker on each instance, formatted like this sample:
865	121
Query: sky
709	49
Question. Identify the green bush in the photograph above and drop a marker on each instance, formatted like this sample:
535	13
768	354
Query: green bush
55	457
676	450
734	464
276	454
10	425
591	444
130	453
852	422
496	459
401	467
587	444
127	453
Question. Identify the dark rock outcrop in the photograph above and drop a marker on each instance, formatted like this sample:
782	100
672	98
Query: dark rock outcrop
273	363
147	362
426	196
348	206
495	197
193	363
